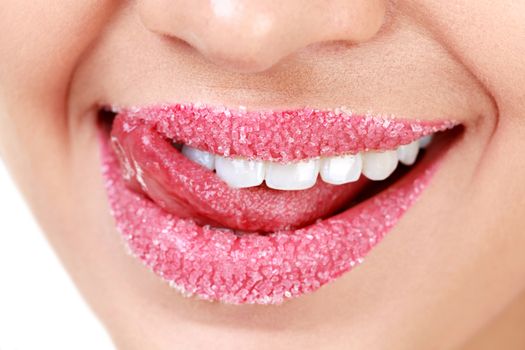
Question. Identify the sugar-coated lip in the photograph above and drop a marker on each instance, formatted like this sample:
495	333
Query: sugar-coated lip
219	264
279	135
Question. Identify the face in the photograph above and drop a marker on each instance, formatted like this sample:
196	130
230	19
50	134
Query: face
454	219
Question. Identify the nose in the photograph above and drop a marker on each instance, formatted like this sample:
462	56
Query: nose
254	35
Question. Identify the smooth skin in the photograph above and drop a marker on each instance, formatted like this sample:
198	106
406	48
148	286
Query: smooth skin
451	275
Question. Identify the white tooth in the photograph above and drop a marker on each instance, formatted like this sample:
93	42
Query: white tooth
240	173
293	176
379	165
407	154
341	170
425	141
200	157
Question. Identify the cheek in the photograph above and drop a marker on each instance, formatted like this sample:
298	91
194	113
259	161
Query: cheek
42	40
41	43
489	38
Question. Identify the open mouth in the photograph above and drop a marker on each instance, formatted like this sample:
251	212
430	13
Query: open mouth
260	207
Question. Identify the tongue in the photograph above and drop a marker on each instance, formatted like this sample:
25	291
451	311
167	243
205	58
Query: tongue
151	165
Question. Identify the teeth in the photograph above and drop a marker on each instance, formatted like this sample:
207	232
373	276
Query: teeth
294	176
200	157
425	141
341	170
240	173
337	170
378	166
407	154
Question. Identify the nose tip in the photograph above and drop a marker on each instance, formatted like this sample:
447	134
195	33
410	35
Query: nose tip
252	35
247	43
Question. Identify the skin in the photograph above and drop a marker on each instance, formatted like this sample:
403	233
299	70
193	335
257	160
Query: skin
450	275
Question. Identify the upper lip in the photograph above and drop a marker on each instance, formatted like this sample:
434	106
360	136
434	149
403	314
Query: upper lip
283	135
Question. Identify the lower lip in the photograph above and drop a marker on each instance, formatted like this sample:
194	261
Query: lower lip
217	265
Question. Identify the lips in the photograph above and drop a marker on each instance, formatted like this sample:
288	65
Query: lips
256	244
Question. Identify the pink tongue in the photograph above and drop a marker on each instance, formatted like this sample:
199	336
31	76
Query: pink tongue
152	165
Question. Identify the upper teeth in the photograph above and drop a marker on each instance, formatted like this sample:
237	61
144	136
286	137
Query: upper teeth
240	173
337	170
379	165
200	157
293	176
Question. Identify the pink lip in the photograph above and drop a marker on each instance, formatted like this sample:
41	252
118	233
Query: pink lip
160	199
285	135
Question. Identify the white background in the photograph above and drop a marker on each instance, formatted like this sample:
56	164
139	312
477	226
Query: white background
40	308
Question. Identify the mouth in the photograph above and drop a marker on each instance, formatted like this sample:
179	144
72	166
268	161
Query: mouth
259	207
